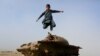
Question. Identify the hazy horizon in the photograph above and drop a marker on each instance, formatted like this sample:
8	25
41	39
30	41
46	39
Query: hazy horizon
79	24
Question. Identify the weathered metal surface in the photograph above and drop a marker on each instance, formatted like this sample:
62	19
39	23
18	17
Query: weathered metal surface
52	45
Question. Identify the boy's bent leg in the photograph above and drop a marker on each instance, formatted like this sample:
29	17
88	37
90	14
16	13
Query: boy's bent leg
45	26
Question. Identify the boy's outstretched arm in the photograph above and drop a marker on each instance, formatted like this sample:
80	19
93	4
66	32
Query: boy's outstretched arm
40	16
56	11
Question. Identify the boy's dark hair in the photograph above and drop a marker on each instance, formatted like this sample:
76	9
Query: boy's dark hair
48	5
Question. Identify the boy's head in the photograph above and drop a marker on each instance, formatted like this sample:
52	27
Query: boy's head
47	6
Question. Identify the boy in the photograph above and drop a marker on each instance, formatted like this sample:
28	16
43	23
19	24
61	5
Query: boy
48	20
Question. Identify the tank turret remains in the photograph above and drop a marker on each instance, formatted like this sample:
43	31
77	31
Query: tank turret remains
52	45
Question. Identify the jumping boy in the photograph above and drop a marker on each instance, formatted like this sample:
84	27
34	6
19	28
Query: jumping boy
48	19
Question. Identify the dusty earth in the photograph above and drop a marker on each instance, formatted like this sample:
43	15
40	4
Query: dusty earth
10	53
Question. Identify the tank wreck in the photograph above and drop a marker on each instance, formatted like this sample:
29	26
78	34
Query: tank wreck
52	45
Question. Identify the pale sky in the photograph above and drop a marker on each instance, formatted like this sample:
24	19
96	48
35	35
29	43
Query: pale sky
79	24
